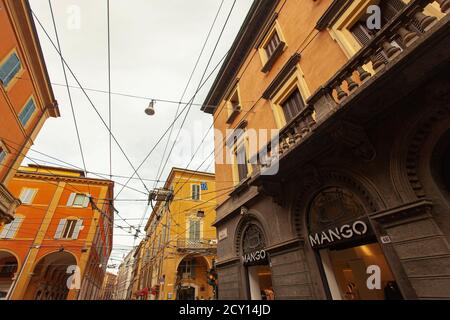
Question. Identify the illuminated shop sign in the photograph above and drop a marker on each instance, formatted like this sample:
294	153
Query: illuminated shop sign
333	235
254	257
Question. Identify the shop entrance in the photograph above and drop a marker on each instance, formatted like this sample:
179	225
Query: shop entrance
186	293
348	270
260	282
257	265
353	264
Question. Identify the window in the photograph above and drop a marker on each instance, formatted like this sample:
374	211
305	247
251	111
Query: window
69	229
185	268
242	165
9	231
272	44
3	153
194	230
233	105
9	69
293	105
78	200
288	100
27	195
196	192
27	112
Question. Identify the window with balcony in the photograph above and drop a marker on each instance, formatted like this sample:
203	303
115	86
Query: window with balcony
293	105
351	31
242	163
194	230
9	68
289	101
271	47
27	112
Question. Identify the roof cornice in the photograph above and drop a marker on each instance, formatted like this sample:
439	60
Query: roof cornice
259	13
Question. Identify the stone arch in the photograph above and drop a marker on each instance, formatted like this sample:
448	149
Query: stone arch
47	272
252	217
407	156
361	187
10	266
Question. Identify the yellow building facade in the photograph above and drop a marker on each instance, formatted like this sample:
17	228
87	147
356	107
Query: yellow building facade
173	261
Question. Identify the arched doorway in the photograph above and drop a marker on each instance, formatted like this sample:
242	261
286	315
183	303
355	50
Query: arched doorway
256	263
192	281
340	233
50	277
8	269
440	167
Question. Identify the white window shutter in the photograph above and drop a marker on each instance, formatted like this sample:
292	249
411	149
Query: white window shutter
77	229
60	228
86	201
5	230
71	199
14	226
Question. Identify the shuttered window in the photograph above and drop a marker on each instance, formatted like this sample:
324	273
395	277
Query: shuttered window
78	200
27	195
9	231
272	44
292	106
241	157
194	230
2	154
27	112
9	69
195	192
69	229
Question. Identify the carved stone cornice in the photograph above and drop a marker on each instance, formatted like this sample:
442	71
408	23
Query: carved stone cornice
405	211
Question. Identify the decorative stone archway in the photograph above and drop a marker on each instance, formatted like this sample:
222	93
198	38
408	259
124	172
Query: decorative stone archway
8	270
50	276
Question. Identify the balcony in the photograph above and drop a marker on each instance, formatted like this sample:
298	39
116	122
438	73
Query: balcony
356	90
8	205
185	244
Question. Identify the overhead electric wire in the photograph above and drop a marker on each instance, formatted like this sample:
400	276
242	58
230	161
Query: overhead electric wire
158	174
68	89
89	99
167	130
109	86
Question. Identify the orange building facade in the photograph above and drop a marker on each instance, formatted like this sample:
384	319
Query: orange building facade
59	244
26	96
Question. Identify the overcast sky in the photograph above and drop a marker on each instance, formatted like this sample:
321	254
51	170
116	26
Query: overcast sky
154	47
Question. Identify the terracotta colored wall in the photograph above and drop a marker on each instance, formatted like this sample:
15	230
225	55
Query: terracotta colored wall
321	57
34	217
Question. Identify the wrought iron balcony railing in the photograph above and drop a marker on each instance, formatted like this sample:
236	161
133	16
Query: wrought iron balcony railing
186	243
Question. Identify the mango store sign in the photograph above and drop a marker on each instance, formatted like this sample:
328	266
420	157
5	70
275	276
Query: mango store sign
344	232
254	257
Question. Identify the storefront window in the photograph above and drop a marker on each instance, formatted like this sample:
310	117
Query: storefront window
346	272
353	263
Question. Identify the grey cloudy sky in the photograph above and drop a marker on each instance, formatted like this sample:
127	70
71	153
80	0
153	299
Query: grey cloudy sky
154	46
